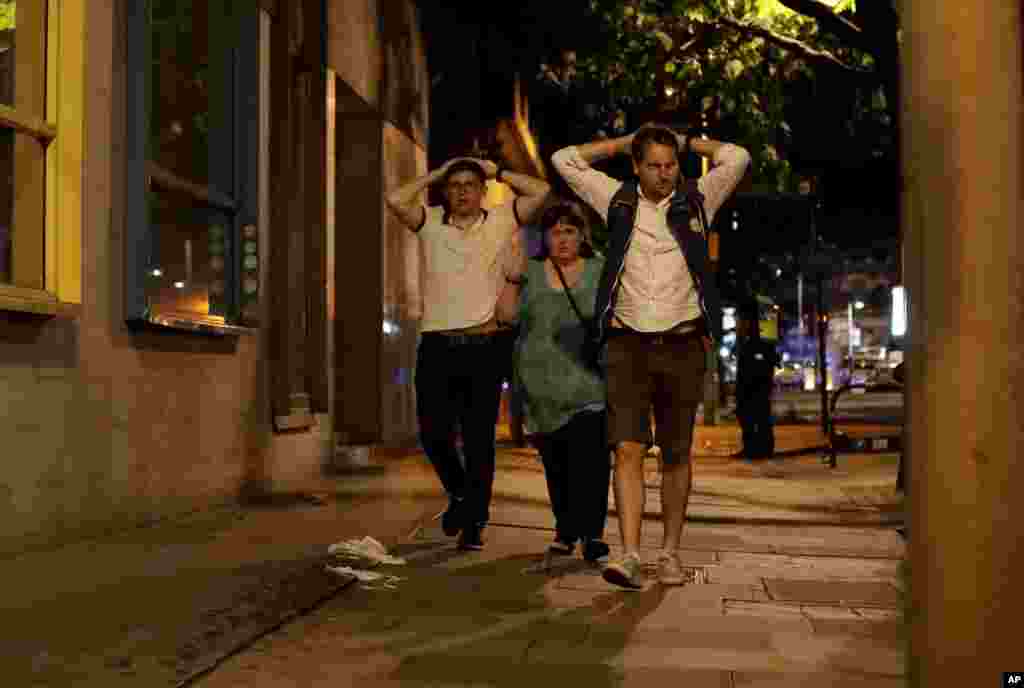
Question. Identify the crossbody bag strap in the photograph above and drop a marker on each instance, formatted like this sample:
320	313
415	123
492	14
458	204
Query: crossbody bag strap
572	301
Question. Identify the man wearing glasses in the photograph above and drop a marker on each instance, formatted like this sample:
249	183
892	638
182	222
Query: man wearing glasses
465	250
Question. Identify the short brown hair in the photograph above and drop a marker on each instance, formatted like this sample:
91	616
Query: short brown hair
648	135
464	166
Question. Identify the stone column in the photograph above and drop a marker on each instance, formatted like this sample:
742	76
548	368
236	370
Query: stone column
962	171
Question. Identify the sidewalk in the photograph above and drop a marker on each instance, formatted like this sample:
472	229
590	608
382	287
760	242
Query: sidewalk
767	607
797	488
158	606
154	606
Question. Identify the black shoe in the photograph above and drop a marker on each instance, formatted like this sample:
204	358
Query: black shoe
562	545
471	539
595	549
451	519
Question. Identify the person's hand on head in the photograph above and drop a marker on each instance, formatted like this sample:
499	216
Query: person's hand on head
490	168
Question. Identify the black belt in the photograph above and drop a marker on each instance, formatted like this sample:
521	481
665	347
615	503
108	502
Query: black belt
687	328
461	339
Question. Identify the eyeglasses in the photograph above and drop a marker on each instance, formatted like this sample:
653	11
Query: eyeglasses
464	186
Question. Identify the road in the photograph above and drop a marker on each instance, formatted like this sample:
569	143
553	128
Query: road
882	407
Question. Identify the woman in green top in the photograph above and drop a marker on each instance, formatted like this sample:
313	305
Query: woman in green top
564	398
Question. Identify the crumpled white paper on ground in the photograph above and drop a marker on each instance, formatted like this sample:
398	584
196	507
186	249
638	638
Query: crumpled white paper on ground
365	552
367	548
386	582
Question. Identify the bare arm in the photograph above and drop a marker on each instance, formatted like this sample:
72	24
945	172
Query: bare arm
404	201
507	308
533	193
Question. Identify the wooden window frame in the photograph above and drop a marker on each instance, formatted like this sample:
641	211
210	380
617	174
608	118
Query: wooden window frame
62	134
143	174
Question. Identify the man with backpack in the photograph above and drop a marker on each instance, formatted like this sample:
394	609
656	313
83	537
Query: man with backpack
658	315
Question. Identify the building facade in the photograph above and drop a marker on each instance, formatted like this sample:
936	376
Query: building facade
201	294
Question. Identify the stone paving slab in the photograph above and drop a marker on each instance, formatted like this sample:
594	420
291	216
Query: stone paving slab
848	593
877	614
657	677
510	628
745	655
871	655
890	633
811	540
763	679
770	610
811	567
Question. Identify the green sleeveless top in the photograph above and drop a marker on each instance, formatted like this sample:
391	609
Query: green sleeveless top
554	383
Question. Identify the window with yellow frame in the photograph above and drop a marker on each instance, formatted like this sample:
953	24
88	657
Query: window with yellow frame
40	153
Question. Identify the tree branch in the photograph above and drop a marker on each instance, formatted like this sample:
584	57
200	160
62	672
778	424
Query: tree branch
828	21
800	48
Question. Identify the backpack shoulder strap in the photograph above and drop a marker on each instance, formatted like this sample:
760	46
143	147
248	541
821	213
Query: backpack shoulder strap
625	196
696	200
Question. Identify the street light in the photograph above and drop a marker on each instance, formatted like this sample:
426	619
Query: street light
859	305
899	311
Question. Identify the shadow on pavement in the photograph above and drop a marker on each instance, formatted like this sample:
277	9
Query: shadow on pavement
491	623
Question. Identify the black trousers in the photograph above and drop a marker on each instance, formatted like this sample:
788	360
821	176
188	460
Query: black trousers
754	413
577	467
459	380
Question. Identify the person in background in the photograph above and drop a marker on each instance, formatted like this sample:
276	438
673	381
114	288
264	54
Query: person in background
562	389
755	378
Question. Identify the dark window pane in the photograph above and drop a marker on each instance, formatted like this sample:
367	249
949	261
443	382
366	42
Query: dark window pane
23	56
192	256
190	89
22	208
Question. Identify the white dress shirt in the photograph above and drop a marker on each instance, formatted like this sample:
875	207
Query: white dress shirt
464	269
656	291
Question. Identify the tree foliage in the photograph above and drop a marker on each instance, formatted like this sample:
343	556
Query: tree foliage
795	81
7	15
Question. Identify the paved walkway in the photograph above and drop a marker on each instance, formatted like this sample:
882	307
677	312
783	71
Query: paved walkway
768	606
797	488
785	589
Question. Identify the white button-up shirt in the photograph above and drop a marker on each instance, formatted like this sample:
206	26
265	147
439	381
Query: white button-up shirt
464	269
656	291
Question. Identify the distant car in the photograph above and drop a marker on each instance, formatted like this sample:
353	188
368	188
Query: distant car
860	376
789	378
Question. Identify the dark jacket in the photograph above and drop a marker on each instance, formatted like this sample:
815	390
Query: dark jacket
621	221
755	370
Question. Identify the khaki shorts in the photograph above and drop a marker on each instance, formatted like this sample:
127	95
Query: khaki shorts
661	372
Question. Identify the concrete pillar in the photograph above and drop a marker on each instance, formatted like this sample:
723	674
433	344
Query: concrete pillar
962	156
